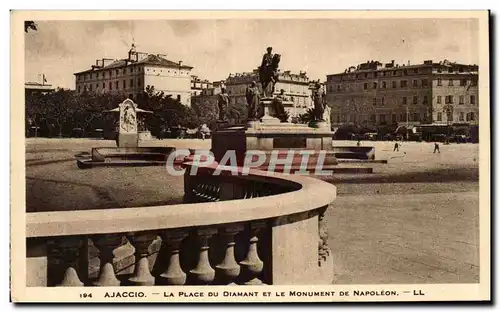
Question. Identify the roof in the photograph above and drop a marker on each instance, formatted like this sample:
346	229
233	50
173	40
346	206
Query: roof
151	59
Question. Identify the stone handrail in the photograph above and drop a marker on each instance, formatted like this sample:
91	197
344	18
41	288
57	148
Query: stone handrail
279	216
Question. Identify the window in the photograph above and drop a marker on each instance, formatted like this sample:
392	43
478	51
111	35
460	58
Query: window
402	117
104	74
103	85
79	89
382	118
450	70
373	118
425	82
131	69
394	119
117	72
439	116
426	100
90	87
374	101
339	86
463	82
416	117
124	84
394	85
116	85
474	81
461	116
439	82
338	118
415	70
461	99
366	75
139	82
415	100
472	116
425	117
110	86
404	100
403	83
472	99
365	86
124	71
450	82
96	86
384	74
374	85
382	101
438	99
131	83
415	83
384	85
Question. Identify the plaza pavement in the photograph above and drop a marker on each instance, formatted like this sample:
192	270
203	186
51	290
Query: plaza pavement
415	220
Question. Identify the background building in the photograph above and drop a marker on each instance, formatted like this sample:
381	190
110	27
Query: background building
296	88
198	85
132	75
376	94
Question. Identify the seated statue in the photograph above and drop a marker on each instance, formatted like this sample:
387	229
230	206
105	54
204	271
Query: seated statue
279	108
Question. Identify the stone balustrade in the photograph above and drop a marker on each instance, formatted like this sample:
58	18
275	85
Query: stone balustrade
260	228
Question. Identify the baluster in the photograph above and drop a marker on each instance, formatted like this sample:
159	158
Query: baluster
204	273
173	275
229	269
252	265
106	244
142	275
69	248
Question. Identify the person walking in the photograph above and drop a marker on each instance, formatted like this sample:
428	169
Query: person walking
359	143
436	148
396	147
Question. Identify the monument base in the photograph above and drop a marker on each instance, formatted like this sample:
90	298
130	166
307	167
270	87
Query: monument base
280	137
128	140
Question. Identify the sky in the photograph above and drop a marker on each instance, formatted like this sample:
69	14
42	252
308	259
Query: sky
216	48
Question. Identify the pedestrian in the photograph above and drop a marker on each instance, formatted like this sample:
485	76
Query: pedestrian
359	143
396	147
436	148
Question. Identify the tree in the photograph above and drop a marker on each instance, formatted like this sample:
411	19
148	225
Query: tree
306	117
60	107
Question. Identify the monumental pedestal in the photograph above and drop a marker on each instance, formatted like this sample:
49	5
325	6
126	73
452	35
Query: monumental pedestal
280	138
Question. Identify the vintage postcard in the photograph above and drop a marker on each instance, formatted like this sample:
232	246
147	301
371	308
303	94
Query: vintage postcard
250	156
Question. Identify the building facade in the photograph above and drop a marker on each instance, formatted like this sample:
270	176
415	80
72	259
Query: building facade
296	88
430	93
198	85
134	74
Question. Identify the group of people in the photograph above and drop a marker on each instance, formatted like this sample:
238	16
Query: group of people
397	145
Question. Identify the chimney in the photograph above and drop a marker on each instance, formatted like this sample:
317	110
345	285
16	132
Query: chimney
408	62
180	63
392	62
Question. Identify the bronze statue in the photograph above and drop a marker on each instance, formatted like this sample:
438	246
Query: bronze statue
253	101
223	103
268	72
318	97
279	108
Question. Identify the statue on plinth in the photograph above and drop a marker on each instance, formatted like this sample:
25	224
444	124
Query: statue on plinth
223	103
279	108
318	97
268	72
253	101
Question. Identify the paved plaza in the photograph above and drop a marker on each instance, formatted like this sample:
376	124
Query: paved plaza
414	220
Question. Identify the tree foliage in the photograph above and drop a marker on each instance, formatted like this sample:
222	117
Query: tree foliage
60	112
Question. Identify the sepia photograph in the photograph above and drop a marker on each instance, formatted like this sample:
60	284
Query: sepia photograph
250	156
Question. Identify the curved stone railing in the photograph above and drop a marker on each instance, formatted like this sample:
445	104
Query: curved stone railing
242	229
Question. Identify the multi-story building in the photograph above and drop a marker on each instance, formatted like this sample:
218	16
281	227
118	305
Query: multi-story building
296	88
134	74
429	93
198	85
